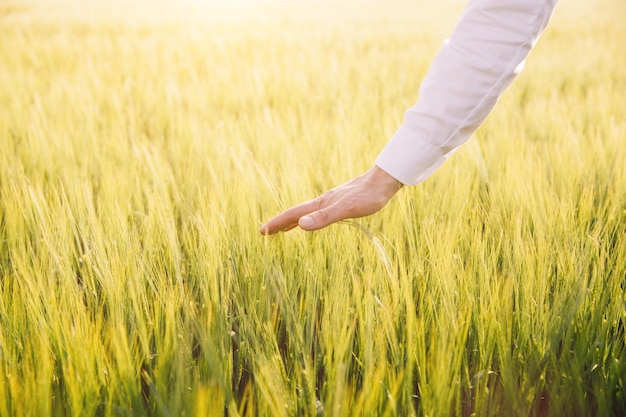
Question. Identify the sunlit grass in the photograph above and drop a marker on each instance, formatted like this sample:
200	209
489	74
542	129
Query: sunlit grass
141	148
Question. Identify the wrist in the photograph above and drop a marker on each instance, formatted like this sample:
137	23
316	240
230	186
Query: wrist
384	181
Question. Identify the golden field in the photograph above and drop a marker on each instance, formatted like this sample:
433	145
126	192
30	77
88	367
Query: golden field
142	144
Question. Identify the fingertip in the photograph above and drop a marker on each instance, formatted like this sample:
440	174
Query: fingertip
268	230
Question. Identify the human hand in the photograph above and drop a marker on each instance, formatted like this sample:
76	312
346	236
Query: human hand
362	196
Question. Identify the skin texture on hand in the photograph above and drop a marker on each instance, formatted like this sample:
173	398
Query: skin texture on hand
359	197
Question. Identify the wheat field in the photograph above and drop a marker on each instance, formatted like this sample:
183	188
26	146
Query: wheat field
142	144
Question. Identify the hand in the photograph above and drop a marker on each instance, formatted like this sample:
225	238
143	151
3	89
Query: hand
362	196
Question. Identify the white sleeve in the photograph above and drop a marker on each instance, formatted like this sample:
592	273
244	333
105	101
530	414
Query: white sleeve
484	54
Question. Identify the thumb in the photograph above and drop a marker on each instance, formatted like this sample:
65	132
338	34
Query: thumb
320	218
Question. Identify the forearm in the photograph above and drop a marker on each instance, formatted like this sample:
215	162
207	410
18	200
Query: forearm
485	53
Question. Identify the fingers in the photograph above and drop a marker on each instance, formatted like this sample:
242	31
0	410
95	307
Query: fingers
288	219
321	218
309	221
